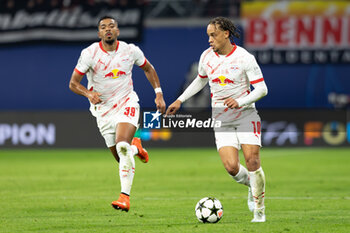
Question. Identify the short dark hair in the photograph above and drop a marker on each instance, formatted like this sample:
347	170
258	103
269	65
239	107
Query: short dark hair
105	17
226	24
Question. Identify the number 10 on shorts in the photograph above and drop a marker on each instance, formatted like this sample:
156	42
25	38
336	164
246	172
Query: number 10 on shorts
256	127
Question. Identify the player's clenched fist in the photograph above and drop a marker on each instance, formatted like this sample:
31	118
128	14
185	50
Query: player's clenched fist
172	109
94	97
160	103
231	103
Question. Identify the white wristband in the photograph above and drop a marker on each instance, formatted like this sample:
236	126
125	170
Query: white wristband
158	90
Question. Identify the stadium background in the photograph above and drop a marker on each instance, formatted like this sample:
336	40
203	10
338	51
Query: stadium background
39	110
57	176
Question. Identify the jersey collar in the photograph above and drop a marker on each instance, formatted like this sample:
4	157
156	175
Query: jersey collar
101	47
233	49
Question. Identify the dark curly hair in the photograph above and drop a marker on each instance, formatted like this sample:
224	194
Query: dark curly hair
226	25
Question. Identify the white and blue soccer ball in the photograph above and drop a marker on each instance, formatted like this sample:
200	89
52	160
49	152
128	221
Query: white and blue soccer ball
209	210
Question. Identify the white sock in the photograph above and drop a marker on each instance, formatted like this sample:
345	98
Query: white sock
134	150
257	184
126	166
242	177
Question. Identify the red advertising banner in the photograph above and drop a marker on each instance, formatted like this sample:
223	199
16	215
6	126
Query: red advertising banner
298	31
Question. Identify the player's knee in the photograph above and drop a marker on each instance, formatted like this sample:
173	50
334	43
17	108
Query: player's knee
253	162
231	168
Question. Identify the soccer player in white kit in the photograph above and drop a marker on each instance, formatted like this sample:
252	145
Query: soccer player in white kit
108	66
230	70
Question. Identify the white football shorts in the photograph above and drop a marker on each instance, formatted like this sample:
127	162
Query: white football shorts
107	124
244	131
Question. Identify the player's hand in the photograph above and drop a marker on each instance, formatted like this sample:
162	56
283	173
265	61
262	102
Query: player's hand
94	97
160	103
172	109
231	103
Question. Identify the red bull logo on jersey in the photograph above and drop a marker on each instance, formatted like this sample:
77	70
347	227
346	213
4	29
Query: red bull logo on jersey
115	74
222	81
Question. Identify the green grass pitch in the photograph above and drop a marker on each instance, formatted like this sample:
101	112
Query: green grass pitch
308	190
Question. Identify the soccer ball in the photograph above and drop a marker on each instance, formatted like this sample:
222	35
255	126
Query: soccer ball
209	210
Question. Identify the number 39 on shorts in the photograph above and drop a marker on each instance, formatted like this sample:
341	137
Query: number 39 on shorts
130	111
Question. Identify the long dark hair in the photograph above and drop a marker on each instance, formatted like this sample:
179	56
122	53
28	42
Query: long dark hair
226	25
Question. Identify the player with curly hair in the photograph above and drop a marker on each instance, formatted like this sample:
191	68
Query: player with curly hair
108	67
230	71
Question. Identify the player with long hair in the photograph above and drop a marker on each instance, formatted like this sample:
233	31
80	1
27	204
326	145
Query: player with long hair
230	71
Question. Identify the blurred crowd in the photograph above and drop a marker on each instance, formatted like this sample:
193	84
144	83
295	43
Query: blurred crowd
153	8
192	8
11	6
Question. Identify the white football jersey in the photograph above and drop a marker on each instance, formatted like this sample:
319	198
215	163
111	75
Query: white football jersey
229	76
109	73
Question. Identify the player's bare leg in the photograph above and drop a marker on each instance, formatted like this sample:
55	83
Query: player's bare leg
257	180
124	135
113	149
230	159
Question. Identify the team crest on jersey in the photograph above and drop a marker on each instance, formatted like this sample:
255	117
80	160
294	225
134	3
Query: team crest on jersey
115	74
222	80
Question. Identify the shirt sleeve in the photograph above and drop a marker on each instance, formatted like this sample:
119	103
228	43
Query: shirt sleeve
201	71
260	90
138	56
197	85
256	79
84	62
253	70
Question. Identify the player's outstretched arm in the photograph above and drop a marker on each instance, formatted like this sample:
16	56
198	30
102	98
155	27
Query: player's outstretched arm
196	85
76	87
152	77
